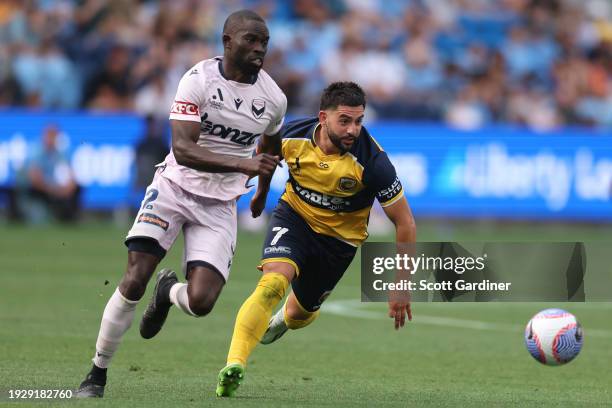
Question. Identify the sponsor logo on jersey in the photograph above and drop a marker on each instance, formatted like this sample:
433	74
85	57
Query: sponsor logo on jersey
194	72
277	250
184	108
226	132
238	102
153	219
321	200
213	103
347	183
258	107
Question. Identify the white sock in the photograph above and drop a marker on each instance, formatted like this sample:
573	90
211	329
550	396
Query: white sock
116	320
179	298
278	320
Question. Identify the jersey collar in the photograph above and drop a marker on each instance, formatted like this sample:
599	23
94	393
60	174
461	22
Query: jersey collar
220	64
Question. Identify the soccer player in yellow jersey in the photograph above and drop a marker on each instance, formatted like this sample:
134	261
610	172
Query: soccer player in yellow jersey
336	170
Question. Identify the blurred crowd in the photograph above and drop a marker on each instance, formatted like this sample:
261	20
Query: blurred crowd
539	63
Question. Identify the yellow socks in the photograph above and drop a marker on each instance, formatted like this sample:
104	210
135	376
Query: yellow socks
253	316
294	324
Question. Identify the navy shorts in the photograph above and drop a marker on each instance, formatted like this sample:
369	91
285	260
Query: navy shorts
320	260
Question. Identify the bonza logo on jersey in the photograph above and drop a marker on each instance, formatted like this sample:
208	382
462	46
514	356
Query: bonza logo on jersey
225	132
185	108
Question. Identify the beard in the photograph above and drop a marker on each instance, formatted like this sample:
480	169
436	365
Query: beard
336	140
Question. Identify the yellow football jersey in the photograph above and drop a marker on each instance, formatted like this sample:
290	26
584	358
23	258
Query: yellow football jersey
335	193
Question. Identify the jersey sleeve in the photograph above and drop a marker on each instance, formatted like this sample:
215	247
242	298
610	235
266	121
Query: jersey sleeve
279	117
381	177
284	143
299	128
188	99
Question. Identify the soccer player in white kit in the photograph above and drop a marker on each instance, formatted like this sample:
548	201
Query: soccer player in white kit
223	106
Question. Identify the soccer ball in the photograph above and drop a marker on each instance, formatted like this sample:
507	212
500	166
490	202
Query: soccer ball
553	337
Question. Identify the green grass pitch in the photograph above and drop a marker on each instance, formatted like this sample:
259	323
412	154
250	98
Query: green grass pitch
53	291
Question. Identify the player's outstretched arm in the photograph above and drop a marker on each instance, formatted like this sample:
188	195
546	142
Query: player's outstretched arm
189	154
401	216
405	236
270	145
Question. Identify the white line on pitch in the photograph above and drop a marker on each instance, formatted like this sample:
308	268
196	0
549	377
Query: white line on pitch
355	308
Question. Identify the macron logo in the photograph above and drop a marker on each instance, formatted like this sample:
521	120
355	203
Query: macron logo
184	108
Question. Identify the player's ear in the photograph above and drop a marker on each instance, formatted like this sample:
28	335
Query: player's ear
322	116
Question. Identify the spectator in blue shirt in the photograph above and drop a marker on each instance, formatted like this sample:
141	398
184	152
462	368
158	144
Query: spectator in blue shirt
49	184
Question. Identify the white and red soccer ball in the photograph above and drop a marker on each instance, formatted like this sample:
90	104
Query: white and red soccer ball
553	337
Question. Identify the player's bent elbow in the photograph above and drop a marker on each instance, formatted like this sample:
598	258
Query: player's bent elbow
411	224
181	160
406	227
404	221
181	153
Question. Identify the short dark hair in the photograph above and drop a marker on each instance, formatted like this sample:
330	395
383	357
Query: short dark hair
237	17
342	93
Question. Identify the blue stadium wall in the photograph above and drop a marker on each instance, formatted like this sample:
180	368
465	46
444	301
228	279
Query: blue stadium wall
496	172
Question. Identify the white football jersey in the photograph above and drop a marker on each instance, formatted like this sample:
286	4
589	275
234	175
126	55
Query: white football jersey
232	117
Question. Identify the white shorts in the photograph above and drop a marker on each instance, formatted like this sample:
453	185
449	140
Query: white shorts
209	225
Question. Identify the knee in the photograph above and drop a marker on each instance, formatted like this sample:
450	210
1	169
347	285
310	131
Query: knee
134	282
288	270
131	287
201	304
203	289
294	312
300	320
272	287
296	316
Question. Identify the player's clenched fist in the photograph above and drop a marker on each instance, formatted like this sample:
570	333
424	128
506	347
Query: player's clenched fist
260	165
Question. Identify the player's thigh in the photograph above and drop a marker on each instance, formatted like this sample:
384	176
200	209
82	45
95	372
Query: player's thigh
285	245
155	229
328	259
210	236
161	215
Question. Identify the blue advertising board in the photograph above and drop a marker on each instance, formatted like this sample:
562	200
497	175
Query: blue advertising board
496	172
100	148
503	171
